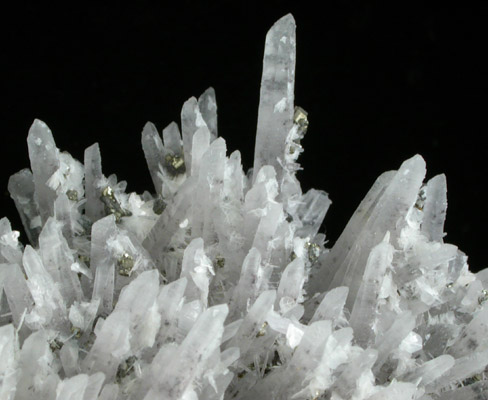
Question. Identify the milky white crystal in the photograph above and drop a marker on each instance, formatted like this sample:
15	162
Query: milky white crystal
220	286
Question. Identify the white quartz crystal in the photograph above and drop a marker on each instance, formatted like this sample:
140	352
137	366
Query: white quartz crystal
220	286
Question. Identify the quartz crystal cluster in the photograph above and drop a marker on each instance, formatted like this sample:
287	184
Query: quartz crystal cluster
220	286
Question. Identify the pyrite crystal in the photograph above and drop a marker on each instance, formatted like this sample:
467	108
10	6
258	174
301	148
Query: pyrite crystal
220	286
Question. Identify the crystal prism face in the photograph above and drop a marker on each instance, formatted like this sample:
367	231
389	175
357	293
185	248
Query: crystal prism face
220	285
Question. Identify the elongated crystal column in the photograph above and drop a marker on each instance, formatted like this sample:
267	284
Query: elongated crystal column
275	115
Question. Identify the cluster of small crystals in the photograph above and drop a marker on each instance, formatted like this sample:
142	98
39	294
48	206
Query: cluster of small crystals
219	285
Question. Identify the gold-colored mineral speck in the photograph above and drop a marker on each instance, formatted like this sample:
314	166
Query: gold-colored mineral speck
220	261
125	368
419	203
300	118
471	380
159	206
72	195
317	395
483	297
262	331
126	263
313	250
84	259
55	344
175	164
76	332
241	374
108	192
112	206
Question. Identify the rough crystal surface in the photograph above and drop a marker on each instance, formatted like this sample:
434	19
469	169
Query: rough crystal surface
220	285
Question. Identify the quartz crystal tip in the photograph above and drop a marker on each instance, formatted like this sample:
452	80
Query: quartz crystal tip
276	104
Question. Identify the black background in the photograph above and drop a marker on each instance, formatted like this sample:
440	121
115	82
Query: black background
380	83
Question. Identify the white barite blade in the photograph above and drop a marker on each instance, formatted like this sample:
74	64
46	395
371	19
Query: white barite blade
435	208
103	264
44	157
364	310
191	121
94	208
207	104
276	103
152	145
21	189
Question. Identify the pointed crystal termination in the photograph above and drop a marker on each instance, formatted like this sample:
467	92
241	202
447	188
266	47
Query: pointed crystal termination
94	208
435	208
276	105
44	157
384	209
207	104
153	150
191	121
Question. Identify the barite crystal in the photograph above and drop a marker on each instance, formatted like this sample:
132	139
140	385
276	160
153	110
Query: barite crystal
220	285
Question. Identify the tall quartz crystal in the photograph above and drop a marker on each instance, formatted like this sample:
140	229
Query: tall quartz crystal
275	115
220	286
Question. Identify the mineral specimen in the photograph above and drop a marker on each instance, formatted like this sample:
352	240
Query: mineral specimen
220	286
